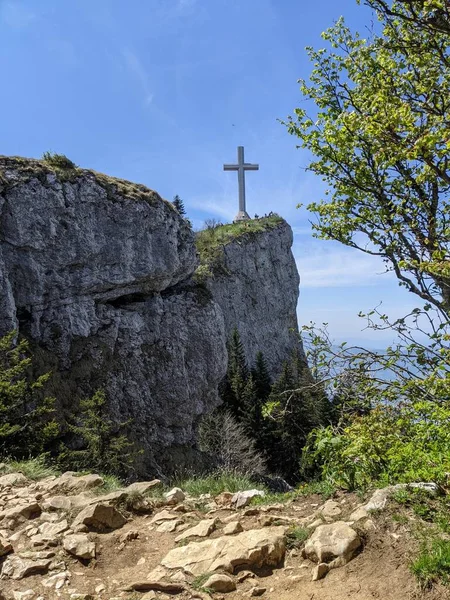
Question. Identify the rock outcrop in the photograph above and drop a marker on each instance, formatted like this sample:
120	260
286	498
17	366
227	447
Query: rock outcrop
97	273
256	284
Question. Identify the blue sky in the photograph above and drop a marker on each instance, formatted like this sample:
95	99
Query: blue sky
163	91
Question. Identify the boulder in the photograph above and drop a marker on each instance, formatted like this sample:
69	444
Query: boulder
169	526
79	545
16	567
330	509
332	542
51	531
72	482
202	529
22	511
143	487
174	496
220	583
232	528
253	548
100	516
11	479
380	497
241	499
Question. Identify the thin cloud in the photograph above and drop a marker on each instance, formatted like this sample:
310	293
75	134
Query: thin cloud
138	71
16	15
321	268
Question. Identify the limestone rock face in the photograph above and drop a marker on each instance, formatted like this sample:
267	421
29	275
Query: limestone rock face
96	272
256	284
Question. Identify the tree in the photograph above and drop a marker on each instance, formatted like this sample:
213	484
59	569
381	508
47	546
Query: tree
233	387
27	425
381	142
179	205
295	407
103	447
261	377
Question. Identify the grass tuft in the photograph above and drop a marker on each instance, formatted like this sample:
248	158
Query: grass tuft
58	161
33	468
215	484
433	562
323	488
296	536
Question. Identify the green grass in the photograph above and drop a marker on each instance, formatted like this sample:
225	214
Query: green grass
199	581
33	468
296	536
58	161
273	498
111	483
215	484
211	241
323	488
433	562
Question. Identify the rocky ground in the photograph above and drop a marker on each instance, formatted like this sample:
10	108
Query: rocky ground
61	538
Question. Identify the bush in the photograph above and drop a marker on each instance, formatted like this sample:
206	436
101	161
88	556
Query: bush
226	441
403	444
215	483
59	161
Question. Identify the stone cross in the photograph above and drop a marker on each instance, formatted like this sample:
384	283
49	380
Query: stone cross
241	167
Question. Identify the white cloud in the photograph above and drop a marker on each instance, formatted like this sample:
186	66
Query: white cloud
321	268
16	14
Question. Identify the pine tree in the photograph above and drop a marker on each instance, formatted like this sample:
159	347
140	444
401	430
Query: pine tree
262	378
179	205
233	386
295	407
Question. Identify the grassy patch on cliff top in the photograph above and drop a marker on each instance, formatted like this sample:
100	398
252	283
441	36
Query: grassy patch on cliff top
67	171
211	241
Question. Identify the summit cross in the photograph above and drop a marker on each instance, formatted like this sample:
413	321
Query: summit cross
241	167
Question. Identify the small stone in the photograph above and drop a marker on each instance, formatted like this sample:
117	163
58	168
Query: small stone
5	546
164	515
81	597
241	499
320	571
220	583
80	546
232	528
169	526
257	591
100	588
359	514
202	529
174	496
330	509
27	595
149	596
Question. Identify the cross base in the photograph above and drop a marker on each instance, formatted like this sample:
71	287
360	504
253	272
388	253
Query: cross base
241	216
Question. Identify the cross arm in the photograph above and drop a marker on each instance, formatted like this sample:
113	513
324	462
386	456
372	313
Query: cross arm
231	167
250	167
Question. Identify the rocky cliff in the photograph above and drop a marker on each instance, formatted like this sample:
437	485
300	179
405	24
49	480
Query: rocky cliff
97	273
252	275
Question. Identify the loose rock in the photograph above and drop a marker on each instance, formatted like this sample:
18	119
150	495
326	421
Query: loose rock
220	583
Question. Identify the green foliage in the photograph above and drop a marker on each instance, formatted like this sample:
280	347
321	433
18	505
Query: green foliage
324	488
179	205
26	424
198	583
294	408
215	483
296	536
33	468
104	448
407	443
59	161
433	562
380	141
